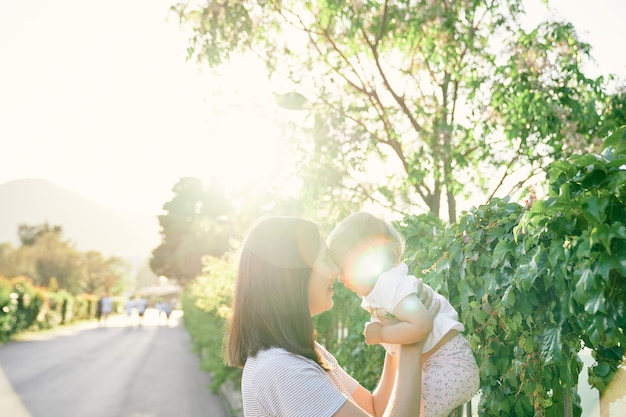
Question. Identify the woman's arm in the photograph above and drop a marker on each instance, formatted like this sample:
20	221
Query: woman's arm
383	391
375	403
399	392
414	324
406	398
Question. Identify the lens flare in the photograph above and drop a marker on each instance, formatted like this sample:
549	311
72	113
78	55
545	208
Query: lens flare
369	264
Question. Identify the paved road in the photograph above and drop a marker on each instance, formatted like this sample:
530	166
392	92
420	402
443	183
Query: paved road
113	371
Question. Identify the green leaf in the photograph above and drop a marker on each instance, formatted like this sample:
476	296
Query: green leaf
602	233
586	161
595	304
602	369
594	338
619	258
490	368
508	299
617	141
500	251
616	163
551	345
527	343
594	209
584	286
539	207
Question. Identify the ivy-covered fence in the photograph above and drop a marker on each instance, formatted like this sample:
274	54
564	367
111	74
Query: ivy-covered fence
535	284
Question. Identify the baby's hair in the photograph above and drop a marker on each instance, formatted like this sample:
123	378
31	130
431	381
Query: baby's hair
364	228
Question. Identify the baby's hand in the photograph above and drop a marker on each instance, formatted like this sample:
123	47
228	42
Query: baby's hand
372	332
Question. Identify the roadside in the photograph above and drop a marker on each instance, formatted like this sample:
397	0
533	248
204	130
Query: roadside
232	399
122	370
230	395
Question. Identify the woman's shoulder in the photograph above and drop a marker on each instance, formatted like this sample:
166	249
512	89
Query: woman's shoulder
328	357
278	382
277	358
278	364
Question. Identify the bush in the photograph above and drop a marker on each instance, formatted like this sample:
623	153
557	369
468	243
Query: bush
206	304
84	306
20	303
60	309
27	307
533	285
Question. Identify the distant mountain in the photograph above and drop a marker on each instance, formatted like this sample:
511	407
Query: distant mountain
86	224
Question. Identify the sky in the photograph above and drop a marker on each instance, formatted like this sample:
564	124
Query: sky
98	97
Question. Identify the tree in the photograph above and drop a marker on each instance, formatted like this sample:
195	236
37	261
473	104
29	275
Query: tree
55	258
614	115
14	262
195	224
28	234
100	275
51	261
44	256
445	99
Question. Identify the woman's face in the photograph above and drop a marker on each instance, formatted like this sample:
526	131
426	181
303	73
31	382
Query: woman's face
321	283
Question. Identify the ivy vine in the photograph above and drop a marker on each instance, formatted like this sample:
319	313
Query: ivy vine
534	285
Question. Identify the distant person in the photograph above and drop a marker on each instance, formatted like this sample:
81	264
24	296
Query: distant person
167	309
141	305
106	306
129	307
159	308
99	309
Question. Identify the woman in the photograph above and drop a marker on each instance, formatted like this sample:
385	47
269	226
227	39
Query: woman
285	277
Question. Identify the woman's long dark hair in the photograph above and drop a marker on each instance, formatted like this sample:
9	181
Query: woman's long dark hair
270	304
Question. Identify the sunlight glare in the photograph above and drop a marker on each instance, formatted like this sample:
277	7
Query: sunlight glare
246	152
370	264
242	147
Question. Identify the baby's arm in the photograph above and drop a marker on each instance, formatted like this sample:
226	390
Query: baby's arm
414	324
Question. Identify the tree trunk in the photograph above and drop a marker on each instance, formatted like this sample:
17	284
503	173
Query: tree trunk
451	207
